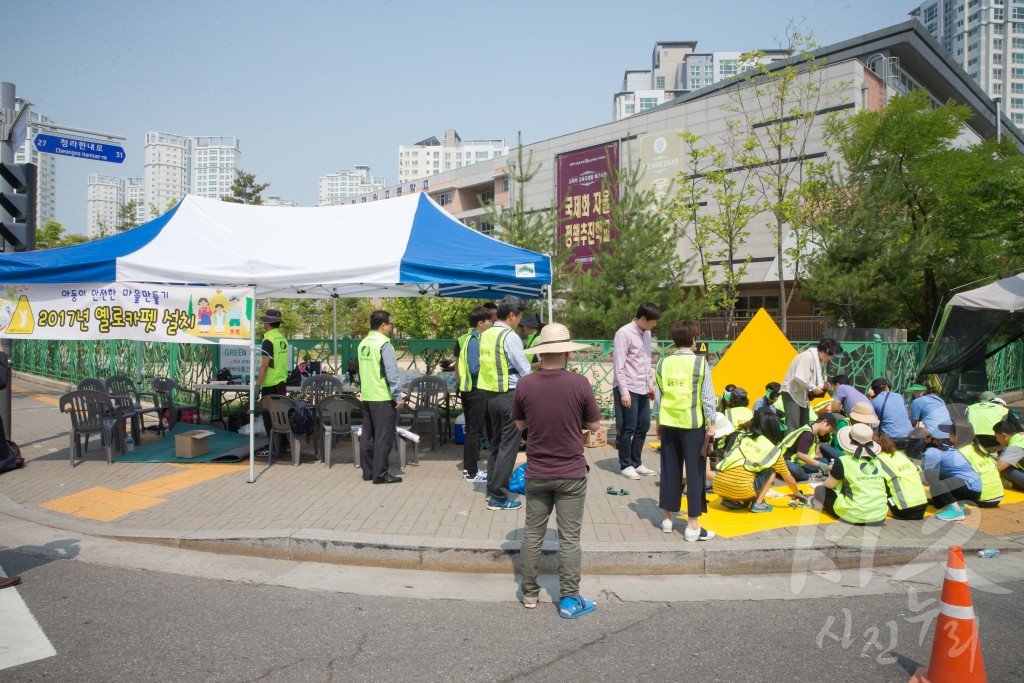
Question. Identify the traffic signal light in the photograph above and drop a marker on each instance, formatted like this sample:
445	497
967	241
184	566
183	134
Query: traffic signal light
20	204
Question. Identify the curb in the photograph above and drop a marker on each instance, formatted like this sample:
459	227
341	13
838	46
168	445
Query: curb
502	557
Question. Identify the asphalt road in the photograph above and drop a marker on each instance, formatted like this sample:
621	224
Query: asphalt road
110	623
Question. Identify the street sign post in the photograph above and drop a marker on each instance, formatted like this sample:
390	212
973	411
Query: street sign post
83	149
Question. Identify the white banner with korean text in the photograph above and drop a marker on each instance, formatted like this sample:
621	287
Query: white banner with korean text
124	310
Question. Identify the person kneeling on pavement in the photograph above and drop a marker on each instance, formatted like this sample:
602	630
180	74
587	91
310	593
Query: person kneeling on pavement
556	405
855	489
907	497
801	447
1011	457
962	435
949	476
749	469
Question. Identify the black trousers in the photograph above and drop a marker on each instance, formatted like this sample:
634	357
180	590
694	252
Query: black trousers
377	438
504	444
681	448
474	407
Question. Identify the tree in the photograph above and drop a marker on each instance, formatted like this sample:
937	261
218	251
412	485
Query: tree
777	108
155	211
53	235
691	195
430	317
913	216
127	216
245	189
639	263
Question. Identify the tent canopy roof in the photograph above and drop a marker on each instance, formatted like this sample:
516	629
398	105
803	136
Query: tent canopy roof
406	246
1004	295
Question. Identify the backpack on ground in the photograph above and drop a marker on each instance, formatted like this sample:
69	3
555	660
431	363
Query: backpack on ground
302	419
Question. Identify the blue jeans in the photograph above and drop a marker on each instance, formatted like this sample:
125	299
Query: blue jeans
636	420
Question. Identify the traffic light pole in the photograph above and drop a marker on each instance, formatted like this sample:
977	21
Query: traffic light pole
6	156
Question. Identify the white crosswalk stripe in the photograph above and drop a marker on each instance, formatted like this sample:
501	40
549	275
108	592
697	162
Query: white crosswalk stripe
23	639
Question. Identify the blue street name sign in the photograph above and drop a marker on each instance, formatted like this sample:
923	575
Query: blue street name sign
83	149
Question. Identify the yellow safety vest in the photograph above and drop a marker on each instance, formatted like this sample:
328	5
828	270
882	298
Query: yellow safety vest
466	381
372	380
985	466
861	497
493	360
753	454
279	372
984	416
739	415
1018	441
902	479
680	378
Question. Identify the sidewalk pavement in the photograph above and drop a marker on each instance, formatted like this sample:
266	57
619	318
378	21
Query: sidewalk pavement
435	519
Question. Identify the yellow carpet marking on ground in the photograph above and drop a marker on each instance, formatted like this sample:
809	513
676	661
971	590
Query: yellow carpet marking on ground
106	505
1008	518
49	400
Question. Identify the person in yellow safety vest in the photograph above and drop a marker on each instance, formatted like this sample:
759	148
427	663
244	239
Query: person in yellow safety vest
855	489
984	414
907	497
531	327
802	447
735	408
1011	458
381	396
502	363
747	471
962	435
474	399
273	371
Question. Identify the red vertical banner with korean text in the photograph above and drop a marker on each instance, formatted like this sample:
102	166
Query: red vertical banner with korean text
586	185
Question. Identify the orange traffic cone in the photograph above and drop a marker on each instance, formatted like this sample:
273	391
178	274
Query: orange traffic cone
956	650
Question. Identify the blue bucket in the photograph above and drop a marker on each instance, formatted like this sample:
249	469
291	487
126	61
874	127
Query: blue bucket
460	434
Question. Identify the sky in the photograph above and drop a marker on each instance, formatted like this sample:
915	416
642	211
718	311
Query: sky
312	87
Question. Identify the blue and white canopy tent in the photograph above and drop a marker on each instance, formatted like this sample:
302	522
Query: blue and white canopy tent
407	246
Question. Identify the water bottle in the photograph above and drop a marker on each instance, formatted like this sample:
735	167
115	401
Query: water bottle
989	553
129	443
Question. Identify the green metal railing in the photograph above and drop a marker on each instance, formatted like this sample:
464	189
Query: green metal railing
70	361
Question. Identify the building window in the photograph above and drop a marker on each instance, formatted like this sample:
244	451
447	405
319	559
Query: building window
444	199
1017	88
1017	117
648	103
997	57
659	82
486	197
630	109
504	184
997	73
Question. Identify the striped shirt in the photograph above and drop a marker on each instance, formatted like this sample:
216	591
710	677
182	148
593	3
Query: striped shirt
737	483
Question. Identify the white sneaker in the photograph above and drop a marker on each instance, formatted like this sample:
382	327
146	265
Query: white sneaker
666	526
701	534
630	473
480	476
646	471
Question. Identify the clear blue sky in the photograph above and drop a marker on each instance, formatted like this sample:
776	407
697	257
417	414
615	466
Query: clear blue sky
313	87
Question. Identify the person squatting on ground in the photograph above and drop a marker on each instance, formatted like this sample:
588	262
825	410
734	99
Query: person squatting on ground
747	471
962	435
907	498
801	447
891	411
927	407
772	399
845	396
687	419
949	476
632	386
381	399
805	379
273	372
1010	465
556	405
855	489
502	365
474	399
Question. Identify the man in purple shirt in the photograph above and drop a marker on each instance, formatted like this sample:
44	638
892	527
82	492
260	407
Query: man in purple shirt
632	386
845	396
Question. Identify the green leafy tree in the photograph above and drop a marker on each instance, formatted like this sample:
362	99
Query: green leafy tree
640	263
691	195
53	235
245	189
430	317
127	216
155	211
777	107
913	216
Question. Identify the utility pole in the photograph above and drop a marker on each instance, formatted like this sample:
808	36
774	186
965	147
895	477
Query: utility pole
7	121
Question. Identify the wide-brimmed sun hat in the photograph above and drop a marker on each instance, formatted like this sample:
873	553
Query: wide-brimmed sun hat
554	338
271	316
863	413
722	426
857	439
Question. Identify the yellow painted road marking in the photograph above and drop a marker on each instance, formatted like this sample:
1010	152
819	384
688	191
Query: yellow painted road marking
49	400
106	505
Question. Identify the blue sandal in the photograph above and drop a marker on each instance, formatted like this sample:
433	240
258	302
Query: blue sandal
570	608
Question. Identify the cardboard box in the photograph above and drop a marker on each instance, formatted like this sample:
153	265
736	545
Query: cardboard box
192	444
595	439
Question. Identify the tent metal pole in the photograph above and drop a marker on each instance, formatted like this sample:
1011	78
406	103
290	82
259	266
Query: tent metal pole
334	358
551	305
252	390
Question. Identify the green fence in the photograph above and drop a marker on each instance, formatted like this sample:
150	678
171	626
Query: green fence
70	361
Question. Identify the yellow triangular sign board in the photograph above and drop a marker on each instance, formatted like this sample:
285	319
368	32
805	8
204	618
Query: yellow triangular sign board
22	320
761	354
